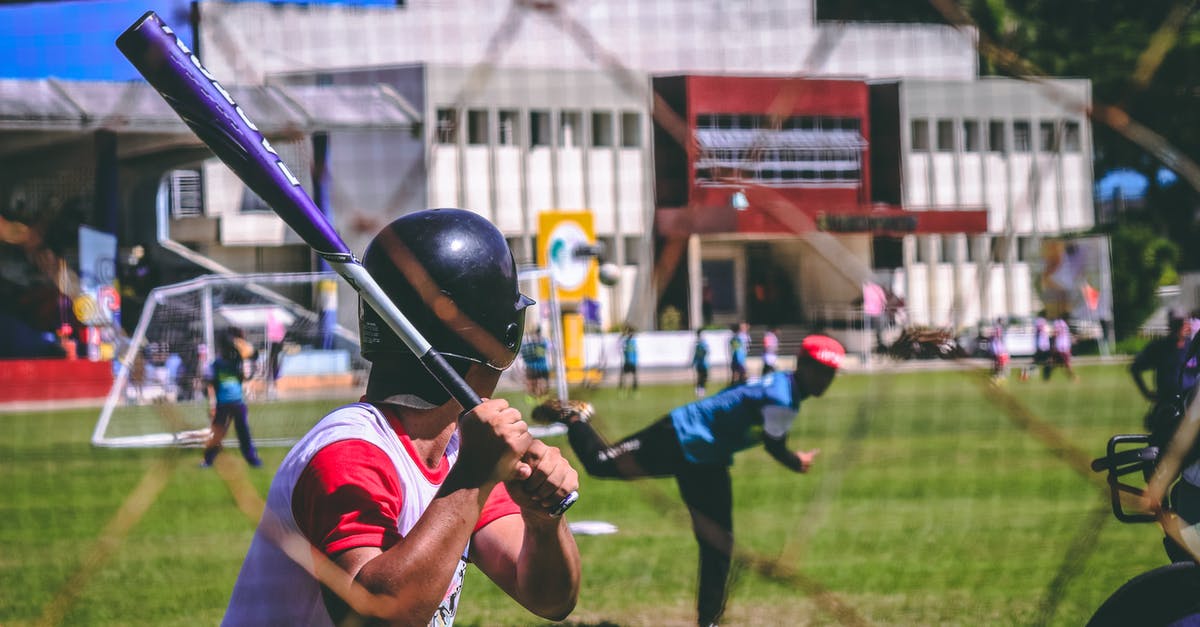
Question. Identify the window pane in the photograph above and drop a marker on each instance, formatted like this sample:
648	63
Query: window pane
1022	141
509	128
1072	141
477	127
920	135
996	138
631	130
539	128
1046	137
570	129
971	138
945	136
447	126
602	129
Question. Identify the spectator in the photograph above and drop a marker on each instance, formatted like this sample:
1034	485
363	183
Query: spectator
700	364
1166	357
998	347
739	344
1041	350
770	353
534	356
629	358
1060	355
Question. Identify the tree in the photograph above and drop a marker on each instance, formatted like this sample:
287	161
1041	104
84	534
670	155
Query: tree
1144	258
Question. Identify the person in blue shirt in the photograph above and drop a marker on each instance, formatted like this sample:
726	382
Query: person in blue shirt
739	345
700	364
629	358
225	400
534	351
695	444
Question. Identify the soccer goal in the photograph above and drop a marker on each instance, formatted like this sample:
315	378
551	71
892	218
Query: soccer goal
302	358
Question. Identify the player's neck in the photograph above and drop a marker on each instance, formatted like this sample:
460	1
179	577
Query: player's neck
430	430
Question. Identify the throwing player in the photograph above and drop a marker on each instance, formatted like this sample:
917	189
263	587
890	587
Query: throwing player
226	402
375	513
695	444
739	345
700	364
629	358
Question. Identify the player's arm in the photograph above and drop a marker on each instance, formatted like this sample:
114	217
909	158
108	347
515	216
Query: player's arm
776	422
403	579
532	557
1142	363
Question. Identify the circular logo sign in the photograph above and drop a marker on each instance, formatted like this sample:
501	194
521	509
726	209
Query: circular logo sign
566	268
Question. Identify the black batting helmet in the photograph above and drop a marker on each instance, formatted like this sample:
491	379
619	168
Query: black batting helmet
452	274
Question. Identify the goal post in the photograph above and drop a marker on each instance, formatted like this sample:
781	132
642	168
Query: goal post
157	397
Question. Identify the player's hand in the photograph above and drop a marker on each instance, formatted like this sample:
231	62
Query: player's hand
806	458
551	479
494	438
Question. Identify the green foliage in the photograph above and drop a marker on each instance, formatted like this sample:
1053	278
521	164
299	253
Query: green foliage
931	503
1140	260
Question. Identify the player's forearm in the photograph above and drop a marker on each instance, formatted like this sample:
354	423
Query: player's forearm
410	579
548	568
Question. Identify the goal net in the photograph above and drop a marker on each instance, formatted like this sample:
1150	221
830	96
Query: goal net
304	362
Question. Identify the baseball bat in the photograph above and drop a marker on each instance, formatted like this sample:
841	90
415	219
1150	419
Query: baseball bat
211	112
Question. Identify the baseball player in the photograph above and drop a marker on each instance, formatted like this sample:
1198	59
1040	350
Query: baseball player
376	512
534	352
695	444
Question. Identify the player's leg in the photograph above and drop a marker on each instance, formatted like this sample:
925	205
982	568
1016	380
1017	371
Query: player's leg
708	493
651	452
220	425
245	442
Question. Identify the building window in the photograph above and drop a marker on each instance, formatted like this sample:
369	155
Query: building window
570	129
509	128
949	248
920	135
971	138
1072	140
632	249
1027	248
539	128
1022	139
447	126
477	127
631	130
945	135
920	253
602	129
1047	138
996	138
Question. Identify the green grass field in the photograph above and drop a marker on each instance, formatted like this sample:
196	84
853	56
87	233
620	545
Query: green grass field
937	499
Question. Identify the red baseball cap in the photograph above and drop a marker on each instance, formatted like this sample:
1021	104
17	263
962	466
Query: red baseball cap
824	350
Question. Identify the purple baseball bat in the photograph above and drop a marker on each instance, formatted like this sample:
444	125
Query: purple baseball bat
210	111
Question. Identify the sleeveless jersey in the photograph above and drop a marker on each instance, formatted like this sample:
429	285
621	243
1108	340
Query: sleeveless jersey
275	586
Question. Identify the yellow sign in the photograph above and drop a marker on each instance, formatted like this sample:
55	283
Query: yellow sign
564	241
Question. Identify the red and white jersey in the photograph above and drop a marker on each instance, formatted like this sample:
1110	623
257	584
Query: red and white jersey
275	585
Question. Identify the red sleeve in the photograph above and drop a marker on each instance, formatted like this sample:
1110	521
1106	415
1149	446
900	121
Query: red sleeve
348	497
498	505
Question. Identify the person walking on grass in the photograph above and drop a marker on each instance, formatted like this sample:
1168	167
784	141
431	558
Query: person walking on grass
695	444
629	359
700	364
226	399
739	346
375	514
770	355
534	356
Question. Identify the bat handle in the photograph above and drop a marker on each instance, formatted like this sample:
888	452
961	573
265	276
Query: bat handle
468	399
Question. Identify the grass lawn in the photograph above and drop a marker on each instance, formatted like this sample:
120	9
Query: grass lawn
937	499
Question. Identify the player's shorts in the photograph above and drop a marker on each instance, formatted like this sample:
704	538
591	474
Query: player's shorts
539	372
628	367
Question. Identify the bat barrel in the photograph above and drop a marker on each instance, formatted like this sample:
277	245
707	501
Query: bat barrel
211	112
